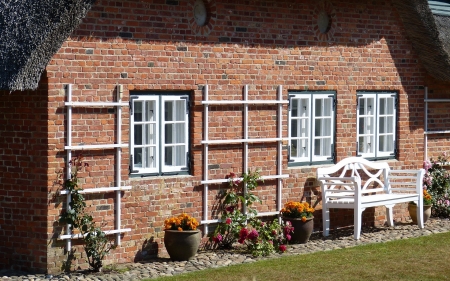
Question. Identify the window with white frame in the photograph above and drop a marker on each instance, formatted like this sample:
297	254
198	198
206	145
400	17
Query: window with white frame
311	127
377	124
159	133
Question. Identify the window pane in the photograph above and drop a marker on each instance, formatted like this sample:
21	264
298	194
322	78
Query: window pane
362	106
382	125
327	127
366	106
303	149
304	128
304	108
137	157
327	107
168	111
322	147
365	144
294	128
138	134
180	110
318	107
322	127
175	155
150	136
137	113
318	127
386	143
150	110
390	124
386	106
294	107
150	157
294	148
174	133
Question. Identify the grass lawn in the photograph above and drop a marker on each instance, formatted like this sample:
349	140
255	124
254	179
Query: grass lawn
424	258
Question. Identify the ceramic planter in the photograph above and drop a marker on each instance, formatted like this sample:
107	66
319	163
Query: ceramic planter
182	245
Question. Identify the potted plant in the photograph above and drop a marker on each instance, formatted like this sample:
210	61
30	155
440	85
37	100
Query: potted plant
300	215
181	237
427	203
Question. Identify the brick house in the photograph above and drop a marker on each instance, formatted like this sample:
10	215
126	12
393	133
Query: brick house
263	71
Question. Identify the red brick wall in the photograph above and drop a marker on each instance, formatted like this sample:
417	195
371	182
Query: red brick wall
23	179
153	45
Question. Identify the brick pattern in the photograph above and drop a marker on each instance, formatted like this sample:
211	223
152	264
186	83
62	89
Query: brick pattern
150	45
24	179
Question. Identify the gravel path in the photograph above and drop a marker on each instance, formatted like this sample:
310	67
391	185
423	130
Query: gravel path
338	239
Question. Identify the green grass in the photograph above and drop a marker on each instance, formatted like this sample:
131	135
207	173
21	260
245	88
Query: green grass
424	258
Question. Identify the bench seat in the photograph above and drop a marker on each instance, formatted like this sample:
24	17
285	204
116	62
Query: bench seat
356	183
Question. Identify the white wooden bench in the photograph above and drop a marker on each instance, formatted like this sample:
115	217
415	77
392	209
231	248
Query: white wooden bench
356	183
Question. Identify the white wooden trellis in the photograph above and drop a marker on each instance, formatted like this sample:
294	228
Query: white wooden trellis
245	141
426	132
118	149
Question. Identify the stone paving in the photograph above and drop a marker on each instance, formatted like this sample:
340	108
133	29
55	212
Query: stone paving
342	238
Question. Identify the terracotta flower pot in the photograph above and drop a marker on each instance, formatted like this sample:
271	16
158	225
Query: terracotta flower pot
302	230
182	245
412	208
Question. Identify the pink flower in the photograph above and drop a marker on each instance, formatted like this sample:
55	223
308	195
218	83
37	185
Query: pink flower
218	238
426	165
230	209
288	237
253	235
283	248
228	221
243	233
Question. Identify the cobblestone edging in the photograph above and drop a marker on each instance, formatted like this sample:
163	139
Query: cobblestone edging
338	239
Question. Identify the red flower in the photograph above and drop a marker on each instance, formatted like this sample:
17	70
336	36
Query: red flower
283	248
228	221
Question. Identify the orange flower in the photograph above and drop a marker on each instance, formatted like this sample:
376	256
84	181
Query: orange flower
297	210
181	222
303	219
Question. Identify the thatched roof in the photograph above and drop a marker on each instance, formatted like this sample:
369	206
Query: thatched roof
429	34
31	32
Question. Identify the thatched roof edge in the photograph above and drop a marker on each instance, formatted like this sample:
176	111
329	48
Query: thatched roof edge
31	32
422	29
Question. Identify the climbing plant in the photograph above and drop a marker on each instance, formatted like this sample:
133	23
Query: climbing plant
96	243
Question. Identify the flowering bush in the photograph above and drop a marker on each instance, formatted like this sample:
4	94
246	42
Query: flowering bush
436	182
264	238
96	244
180	223
261	238
297	210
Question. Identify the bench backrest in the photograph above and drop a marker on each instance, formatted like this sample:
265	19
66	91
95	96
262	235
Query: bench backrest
367	173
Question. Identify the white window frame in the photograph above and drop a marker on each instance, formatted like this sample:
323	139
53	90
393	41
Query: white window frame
159	123
306	135
377	124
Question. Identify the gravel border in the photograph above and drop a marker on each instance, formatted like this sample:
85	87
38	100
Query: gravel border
338	239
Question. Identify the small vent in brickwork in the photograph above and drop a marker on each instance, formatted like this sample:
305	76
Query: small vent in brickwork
202	16
325	21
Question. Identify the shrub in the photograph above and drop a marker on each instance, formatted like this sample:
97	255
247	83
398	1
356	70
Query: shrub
261	238
437	183
96	243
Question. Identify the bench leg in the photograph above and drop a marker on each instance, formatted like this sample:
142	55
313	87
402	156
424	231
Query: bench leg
390	215
358	222
420	215
326	221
